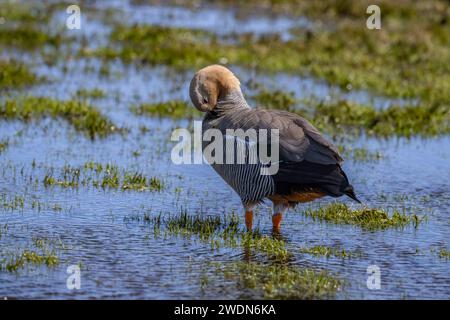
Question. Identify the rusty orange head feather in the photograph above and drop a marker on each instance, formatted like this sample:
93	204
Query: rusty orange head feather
210	84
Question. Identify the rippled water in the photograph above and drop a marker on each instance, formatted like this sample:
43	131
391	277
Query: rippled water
122	258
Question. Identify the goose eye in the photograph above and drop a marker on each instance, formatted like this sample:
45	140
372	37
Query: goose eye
205	101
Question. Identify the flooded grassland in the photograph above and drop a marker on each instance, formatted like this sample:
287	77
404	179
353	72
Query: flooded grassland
86	177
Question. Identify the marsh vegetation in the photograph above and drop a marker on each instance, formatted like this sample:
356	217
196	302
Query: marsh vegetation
86	177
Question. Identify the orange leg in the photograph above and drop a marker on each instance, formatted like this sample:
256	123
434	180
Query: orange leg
276	222
249	220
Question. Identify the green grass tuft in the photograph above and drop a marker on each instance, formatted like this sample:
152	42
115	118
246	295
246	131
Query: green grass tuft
15	202
423	119
4	143
444	254
15	75
271	246
276	99
172	109
178	47
340	213
274	281
27	38
83	117
31	257
105	176
90	94
325	251
26	26
41	252
359	153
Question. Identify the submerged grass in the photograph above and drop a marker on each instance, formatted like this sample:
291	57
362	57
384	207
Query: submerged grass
176	109
104	176
4	143
27	38
218	231
444	254
205	227
41	252
340	213
14	12
275	281
82	116
26	25
16	202
325	251
14	74
359	153
273	247
8	202
139	182
27	257
4	229
95	93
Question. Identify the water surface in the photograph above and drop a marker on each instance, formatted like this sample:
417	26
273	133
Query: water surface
121	256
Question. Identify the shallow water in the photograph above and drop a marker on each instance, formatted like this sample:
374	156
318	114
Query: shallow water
122	257
221	22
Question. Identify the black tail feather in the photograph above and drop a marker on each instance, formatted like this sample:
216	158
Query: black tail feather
351	193
329	178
